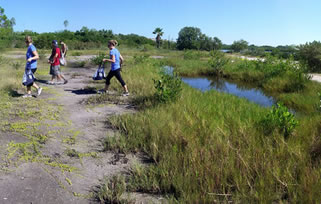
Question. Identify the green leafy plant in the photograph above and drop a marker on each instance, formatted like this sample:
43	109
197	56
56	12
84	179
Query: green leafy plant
81	63
168	88
217	61
192	55
146	48
97	60
281	119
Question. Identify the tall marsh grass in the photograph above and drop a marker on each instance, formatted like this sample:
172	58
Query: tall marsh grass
206	147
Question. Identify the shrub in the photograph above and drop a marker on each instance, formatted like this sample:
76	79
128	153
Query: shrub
98	60
81	63
146	48
217	61
279	118
311	54
168	88
192	55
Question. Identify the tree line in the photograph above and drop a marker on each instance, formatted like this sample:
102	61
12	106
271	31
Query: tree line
189	38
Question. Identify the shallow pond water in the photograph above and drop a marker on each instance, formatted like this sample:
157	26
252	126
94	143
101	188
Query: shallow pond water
223	85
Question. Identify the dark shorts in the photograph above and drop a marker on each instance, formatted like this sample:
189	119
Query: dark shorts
55	70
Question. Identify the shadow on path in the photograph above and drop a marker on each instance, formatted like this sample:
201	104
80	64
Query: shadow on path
82	91
41	81
14	93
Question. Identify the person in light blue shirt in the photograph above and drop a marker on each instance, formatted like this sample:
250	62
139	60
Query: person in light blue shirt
116	60
31	64
31	53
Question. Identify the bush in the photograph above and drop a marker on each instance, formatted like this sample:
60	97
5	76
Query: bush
279	118
98	60
146	48
217	61
168	88
311	54
192	55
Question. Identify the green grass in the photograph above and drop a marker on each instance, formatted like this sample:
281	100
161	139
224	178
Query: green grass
277	78
207	147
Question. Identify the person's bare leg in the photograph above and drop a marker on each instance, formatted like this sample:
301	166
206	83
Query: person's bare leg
59	77
106	87
29	90
39	89
62	77
52	79
35	85
125	88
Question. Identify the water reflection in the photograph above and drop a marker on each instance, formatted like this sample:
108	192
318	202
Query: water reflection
222	85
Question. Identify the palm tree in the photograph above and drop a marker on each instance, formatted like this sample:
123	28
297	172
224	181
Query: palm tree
66	23
159	32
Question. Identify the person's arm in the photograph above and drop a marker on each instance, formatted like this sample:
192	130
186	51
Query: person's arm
121	60
113	59
35	56
56	56
53	52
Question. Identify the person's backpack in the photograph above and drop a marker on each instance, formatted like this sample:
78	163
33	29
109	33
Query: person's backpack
28	78
100	73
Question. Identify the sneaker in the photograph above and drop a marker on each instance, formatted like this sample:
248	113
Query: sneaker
51	82
66	81
39	91
126	94
27	96
102	91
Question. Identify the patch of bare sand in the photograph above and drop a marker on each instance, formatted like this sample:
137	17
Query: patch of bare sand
316	77
40	183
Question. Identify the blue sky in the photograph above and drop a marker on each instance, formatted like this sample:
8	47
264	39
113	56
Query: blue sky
260	22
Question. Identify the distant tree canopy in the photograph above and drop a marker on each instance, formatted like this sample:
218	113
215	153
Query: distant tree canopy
193	38
311	54
239	45
84	38
6	31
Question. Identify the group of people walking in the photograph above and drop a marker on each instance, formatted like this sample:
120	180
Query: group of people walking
54	60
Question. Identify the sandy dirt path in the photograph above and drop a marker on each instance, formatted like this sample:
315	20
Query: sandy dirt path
39	183
316	77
